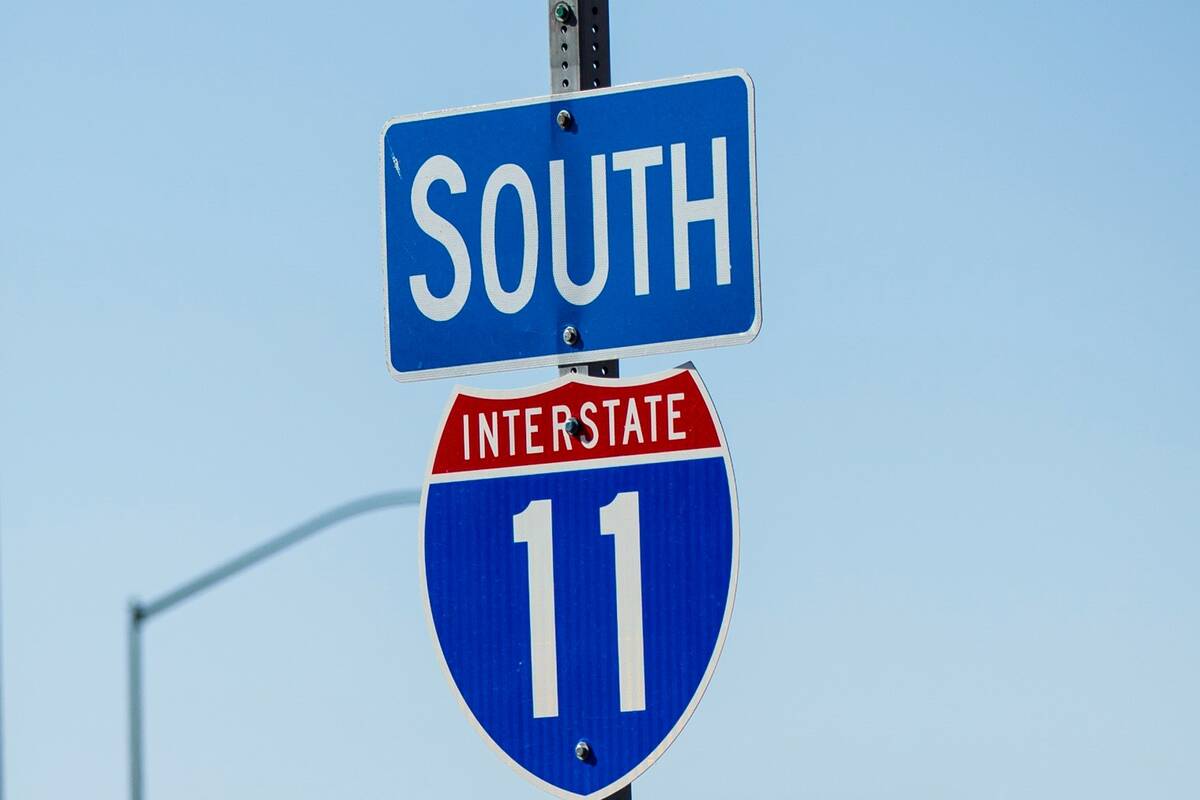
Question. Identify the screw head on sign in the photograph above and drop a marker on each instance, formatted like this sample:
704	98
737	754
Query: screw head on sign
564	119
562	12
570	335
583	750
573	427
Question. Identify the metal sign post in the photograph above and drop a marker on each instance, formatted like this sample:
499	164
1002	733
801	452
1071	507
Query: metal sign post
579	60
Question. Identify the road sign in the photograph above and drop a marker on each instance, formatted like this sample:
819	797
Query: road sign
579	557
627	215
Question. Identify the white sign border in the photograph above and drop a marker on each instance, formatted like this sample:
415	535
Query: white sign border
581	356
735	555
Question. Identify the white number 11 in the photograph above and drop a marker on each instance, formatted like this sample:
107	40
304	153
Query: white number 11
621	520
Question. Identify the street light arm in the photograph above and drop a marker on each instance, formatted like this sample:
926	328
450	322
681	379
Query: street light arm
139	613
404	497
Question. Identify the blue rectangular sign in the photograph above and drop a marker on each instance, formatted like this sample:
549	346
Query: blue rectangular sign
517	235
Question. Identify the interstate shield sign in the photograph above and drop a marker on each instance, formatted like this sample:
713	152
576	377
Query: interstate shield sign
579	557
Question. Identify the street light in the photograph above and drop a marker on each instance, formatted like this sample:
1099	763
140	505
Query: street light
140	612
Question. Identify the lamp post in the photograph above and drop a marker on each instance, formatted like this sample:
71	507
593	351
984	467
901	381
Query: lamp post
140	612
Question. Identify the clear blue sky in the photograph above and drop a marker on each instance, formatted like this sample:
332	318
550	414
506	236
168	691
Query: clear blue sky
966	441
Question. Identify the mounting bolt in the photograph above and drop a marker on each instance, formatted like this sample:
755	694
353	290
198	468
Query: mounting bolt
570	335
563	12
564	119
583	750
573	427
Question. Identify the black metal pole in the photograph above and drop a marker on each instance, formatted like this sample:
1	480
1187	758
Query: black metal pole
580	60
135	700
